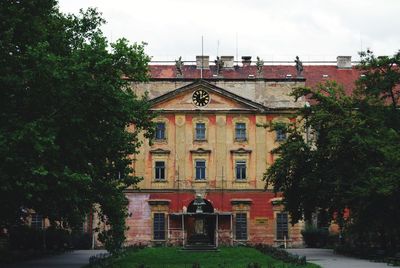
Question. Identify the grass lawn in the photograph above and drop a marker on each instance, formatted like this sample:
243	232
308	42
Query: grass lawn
170	257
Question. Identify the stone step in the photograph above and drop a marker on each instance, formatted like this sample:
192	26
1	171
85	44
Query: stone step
200	248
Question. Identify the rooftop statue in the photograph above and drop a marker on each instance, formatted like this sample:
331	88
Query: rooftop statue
299	67
219	64
179	66
259	65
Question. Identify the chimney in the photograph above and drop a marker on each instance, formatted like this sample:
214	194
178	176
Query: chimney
203	61
228	61
344	62
246	61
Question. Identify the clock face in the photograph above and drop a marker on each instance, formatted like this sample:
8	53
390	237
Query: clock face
200	98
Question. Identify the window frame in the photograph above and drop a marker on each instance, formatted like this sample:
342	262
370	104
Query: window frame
280	233
159	230
200	160
241	227
163	170
36	221
243	131
196	136
280	134
164	131
243	163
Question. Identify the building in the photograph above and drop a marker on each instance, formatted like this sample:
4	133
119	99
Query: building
203	173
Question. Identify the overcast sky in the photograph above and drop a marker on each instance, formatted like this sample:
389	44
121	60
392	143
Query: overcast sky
271	29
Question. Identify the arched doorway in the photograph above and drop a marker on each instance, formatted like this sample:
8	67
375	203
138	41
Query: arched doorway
200	225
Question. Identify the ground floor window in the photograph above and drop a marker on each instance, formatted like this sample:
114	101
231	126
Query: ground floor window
159	226
37	221
241	226
282	230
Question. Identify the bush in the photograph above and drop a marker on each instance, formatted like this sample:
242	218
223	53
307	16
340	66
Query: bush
24	237
57	239
315	237
281	254
254	265
81	240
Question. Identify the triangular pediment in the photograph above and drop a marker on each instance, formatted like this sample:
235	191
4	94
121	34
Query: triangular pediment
181	99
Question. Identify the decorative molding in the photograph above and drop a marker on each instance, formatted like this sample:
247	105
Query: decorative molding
200	151
212	89
277	201
244	201
160	151
155	202
240	151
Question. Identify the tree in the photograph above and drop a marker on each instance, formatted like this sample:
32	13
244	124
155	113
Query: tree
353	162
65	109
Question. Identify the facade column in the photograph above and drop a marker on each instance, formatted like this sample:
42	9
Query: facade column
231	229
183	230
216	230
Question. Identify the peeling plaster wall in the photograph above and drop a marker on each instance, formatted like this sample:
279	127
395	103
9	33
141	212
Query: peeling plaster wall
261	217
139	220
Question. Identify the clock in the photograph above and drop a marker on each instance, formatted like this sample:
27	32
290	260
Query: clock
200	98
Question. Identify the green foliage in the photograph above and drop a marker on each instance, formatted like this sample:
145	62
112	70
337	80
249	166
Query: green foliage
315	237
172	257
380	77
281	254
24	237
352	163
65	108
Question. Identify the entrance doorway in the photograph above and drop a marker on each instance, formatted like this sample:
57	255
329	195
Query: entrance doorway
200	226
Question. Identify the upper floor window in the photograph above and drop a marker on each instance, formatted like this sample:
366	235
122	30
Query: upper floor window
280	134
159	172
282	227
240	131
200	131
160	131
200	167
240	169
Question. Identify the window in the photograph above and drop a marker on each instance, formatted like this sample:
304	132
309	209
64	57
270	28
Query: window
200	168
240	131
282	226
200	131
159	170
241	226
159	226
240	169
160	131
37	221
280	134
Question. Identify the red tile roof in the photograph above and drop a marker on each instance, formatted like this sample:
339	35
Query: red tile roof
313	74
